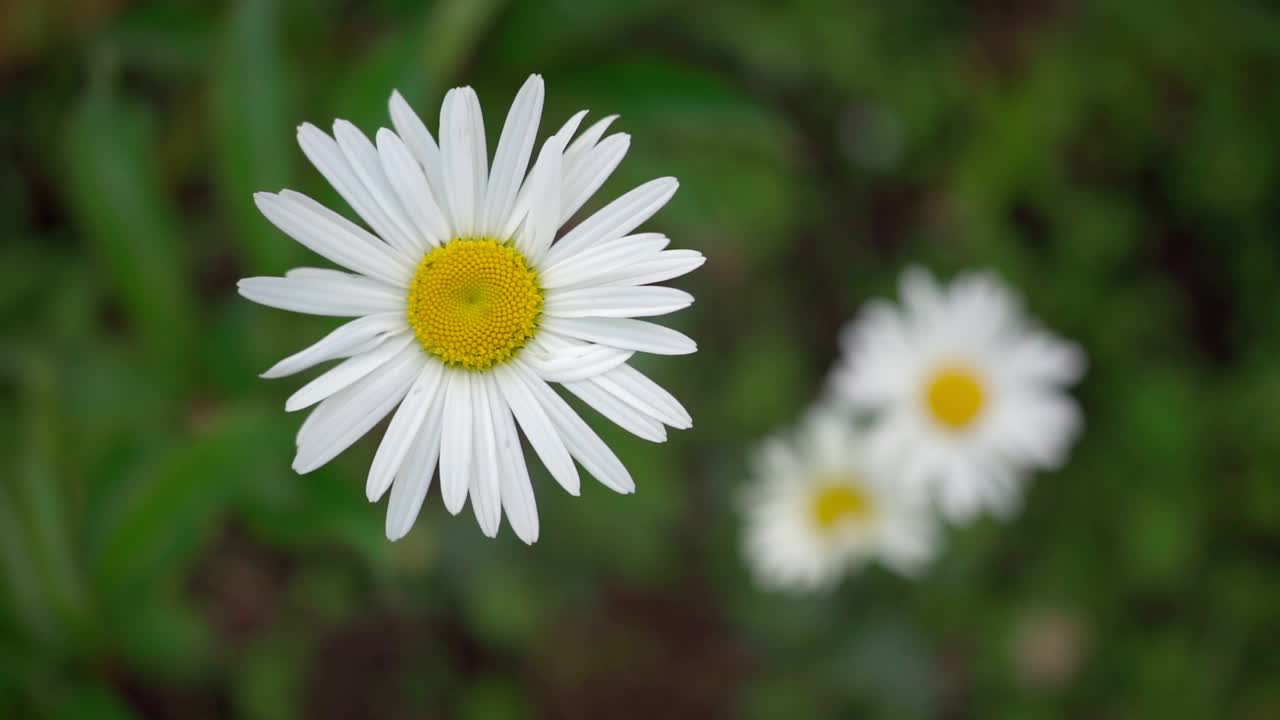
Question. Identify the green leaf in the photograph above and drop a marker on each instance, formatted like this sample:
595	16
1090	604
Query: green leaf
92	702
418	62
166	639
450	34
21	585
166	511
494	697
548	33
42	558
323	508
268	681
115	196
252	109
164	37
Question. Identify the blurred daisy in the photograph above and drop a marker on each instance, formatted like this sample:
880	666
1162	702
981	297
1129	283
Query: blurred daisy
467	307
817	510
966	393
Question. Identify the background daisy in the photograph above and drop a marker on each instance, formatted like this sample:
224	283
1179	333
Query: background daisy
817	510
466	309
966	395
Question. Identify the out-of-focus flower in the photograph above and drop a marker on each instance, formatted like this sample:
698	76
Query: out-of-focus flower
965	394
817	510
468	307
1049	645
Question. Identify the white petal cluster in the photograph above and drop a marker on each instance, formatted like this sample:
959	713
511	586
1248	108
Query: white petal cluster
939	407
1022	419
415	195
791	543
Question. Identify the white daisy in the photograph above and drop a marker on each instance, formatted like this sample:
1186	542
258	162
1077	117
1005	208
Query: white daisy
466	309
966	394
817	510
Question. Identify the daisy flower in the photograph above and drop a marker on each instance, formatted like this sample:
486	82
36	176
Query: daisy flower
467	307
966	395
817	510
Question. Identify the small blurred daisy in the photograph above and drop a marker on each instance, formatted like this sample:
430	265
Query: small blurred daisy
966	393
467	310
817	510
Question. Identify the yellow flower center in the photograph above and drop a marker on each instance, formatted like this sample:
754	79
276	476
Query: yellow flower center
838	502
474	303
955	396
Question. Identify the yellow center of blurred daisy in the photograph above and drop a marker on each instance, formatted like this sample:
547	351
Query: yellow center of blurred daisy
838	502
955	397
474	302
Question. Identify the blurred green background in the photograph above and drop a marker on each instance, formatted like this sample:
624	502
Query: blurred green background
1115	159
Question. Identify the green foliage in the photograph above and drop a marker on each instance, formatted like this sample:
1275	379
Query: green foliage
1116	161
252	112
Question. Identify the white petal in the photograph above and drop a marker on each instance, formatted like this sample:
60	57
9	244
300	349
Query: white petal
959	490
1039	357
881	359
909	542
325	412
667	265
332	162
620	302
1035	427
360	334
333	237
411	186
336	295
479	150
521	209
511	159
576	152
1002	487
418	139
543	218
570	126
462	149
622	414
473	141
624	333
603	260
403	429
584	178
579	438
617	218
368	401
517	491
579	362
486	500
920	293
538	428
363	158
982	304
346	373
313	273
635	388
457	442
414	478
